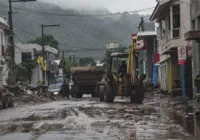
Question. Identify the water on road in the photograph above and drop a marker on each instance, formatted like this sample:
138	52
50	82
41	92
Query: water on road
88	119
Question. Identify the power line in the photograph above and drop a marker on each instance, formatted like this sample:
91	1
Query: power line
78	48
73	15
21	5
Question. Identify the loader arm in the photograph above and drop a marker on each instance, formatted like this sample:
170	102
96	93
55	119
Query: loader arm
131	64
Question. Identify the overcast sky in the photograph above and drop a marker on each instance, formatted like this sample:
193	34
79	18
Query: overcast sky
111	5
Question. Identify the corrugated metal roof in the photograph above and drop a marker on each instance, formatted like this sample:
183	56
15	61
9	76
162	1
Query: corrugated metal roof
162	4
4	23
30	47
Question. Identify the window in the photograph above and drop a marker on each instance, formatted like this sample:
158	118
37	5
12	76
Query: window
198	22
168	21
163	28
176	21
26	56
1	38
2	46
2	50
193	25
116	63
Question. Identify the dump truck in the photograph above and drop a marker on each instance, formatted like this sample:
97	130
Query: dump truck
127	83
85	80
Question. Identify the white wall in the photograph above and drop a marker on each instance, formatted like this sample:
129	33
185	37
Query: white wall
163	76
185	18
167	41
36	75
4	68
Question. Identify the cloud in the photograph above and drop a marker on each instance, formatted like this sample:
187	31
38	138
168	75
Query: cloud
112	5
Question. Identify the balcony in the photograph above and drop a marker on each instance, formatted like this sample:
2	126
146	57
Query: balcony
170	42
192	35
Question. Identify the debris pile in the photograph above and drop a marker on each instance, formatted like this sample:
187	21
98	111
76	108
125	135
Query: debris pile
23	93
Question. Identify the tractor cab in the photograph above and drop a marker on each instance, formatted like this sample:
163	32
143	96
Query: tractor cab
118	66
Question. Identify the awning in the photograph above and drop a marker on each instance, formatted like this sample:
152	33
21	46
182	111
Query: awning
146	33
162	5
192	35
170	51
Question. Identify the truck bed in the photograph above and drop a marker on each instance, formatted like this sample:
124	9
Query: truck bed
87	75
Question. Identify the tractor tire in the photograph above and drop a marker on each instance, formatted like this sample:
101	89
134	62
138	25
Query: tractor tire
4	103
109	94
101	97
137	95
76	93
93	94
101	93
10	101
79	95
73	94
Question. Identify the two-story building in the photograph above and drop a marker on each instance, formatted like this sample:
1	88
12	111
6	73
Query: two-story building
146	53
4	28
22	51
193	36
173	18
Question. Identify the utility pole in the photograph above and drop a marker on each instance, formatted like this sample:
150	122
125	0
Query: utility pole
63	59
11	74
11	80
43	49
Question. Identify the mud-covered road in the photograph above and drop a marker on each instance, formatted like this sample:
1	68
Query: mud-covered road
88	119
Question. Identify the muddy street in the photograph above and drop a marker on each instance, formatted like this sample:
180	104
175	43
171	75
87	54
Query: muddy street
88	119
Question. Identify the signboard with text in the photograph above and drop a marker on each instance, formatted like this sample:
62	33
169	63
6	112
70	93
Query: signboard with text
182	55
141	45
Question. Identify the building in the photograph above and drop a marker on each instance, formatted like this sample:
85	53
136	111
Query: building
112	45
32	51
4	61
173	18
146	48
193	36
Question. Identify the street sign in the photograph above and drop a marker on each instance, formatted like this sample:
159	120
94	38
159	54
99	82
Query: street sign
182	56
141	45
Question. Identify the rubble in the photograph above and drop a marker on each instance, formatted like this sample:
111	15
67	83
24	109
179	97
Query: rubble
23	93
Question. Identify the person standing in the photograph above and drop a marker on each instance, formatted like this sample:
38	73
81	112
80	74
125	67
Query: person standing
197	83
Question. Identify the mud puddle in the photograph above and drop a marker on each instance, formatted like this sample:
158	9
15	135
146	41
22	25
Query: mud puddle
188	117
90	120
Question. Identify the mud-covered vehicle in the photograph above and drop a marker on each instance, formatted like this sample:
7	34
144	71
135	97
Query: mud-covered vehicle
115	84
85	80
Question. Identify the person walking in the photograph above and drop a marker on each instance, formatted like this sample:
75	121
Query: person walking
197	84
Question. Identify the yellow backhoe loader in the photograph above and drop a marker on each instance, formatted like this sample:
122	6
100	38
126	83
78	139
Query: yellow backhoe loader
118	83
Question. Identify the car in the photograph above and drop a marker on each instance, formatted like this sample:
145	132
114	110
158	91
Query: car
62	89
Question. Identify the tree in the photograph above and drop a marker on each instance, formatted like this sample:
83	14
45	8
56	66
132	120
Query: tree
48	40
83	62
